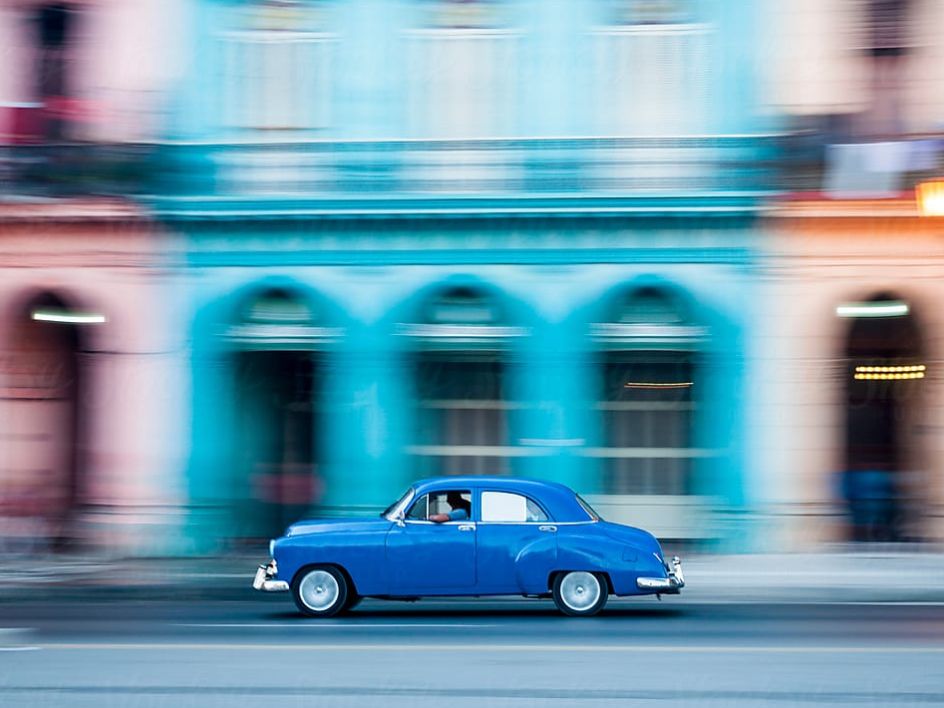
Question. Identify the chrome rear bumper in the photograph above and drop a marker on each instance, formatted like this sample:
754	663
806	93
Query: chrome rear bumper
265	579
671	584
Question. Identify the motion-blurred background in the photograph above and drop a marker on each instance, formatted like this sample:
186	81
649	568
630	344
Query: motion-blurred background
262	259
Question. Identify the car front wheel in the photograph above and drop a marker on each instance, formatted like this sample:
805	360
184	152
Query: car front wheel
320	591
579	593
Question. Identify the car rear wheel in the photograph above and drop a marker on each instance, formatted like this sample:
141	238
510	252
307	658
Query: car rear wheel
579	593
320	591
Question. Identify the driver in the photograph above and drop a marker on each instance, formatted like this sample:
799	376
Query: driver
461	509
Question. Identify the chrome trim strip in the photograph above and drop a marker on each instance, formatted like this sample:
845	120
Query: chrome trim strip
657	583
275	586
536	523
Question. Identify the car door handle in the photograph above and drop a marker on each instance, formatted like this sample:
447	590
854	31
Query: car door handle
466	527
549	529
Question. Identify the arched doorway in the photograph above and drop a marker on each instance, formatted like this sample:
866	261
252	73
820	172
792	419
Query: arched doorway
277	377
459	356
884	380
44	428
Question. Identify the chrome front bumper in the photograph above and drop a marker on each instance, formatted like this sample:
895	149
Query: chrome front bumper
671	584
265	579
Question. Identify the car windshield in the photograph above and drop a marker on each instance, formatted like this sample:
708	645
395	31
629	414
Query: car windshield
587	508
397	503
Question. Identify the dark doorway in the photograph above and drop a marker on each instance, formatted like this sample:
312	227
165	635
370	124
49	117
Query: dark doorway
884	379
41	487
276	445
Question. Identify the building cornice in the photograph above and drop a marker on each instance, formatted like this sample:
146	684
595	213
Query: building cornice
67	211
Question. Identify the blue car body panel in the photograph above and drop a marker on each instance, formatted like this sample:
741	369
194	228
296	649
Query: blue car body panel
415	558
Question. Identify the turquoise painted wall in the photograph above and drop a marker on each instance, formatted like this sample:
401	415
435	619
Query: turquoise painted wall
369	379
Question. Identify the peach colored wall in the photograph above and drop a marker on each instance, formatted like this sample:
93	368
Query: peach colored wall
824	254
813	63
133	368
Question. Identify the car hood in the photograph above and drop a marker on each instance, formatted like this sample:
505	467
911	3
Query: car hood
311	526
638	538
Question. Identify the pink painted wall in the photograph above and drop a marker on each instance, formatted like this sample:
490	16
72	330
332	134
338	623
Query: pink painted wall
124	58
132	366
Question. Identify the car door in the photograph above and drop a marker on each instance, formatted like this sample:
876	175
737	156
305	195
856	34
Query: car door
428	558
517	544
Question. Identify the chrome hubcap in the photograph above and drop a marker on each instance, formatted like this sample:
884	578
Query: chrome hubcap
319	590
580	591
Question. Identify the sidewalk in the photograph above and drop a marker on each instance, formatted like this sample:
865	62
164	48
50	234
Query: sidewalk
825	577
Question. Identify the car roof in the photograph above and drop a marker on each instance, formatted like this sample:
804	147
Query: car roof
560	500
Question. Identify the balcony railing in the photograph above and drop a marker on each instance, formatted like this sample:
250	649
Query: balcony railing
74	170
710	167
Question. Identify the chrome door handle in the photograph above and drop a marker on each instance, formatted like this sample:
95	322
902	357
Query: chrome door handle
549	529
466	527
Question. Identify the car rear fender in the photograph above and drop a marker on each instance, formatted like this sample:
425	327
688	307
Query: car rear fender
533	562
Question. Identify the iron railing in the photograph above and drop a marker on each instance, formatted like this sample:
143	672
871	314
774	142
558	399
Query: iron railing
542	167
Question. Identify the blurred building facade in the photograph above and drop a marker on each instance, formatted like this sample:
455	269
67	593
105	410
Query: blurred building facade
352	243
849	341
441	237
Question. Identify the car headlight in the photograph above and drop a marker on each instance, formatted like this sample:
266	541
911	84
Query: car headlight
272	548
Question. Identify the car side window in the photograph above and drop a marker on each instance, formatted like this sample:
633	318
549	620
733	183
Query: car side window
457	504
508	507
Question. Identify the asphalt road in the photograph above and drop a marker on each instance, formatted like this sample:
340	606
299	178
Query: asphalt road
469	653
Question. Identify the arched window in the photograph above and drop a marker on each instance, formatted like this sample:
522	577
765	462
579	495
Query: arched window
460	363
278	319
649	394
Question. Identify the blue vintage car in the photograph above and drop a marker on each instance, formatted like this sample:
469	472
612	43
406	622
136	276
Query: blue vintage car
455	536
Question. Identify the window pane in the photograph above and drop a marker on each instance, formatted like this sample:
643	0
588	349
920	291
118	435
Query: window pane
461	420
501	506
438	503
648	406
419	508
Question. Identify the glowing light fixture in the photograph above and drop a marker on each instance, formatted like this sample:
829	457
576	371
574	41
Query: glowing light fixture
68	317
881	308
890	373
655	385
890	369
930	197
890	377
